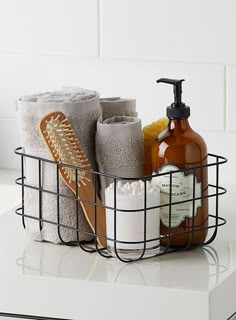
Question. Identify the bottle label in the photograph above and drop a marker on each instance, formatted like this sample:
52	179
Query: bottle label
181	190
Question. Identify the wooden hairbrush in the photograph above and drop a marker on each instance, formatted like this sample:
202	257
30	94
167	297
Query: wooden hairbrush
64	146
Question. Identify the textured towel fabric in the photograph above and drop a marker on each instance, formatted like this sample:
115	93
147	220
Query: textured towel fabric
113	106
82	109
119	148
117	106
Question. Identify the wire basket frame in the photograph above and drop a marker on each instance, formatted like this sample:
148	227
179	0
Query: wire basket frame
214	220
27	316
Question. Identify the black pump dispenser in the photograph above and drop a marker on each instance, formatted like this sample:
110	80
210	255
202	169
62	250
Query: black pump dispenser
177	109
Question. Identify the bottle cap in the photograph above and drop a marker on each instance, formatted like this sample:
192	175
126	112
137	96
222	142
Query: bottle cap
177	109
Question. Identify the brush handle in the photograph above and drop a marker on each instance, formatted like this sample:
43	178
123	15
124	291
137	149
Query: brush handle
96	215
87	193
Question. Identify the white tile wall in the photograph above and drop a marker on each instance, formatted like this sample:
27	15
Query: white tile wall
49	26
121	47
182	30
118	77
231	98
222	144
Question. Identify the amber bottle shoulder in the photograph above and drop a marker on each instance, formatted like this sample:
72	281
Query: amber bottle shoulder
178	144
180	136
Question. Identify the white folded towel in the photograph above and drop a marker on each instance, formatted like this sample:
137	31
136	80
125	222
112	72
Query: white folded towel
82	109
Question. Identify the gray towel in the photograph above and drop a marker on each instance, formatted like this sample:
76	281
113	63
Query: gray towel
117	106
113	106
119	148
82	109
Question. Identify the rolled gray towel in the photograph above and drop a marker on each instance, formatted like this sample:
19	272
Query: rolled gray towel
82	109
119	148
113	106
117	106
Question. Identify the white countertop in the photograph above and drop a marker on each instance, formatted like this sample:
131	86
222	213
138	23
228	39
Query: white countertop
58	281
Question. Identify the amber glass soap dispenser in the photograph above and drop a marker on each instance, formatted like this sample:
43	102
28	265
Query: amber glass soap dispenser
182	151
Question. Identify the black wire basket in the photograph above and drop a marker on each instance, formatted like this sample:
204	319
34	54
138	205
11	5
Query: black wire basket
162	243
13	316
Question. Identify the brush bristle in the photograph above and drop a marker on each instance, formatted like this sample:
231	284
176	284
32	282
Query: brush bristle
67	149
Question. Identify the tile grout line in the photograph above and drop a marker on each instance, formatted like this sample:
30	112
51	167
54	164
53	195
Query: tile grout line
7	118
122	58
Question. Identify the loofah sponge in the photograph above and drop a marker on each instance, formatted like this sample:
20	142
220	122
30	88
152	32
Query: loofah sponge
150	132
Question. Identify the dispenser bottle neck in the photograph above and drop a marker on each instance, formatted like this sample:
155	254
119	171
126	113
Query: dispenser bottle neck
179	124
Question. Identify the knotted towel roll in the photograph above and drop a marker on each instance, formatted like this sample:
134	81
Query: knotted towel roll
119	148
117	106
82	109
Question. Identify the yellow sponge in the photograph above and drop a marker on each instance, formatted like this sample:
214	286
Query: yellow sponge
150	132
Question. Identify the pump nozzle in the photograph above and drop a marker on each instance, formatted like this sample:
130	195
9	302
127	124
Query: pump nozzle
177	109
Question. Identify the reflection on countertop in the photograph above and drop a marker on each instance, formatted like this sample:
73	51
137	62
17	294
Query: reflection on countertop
201	269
